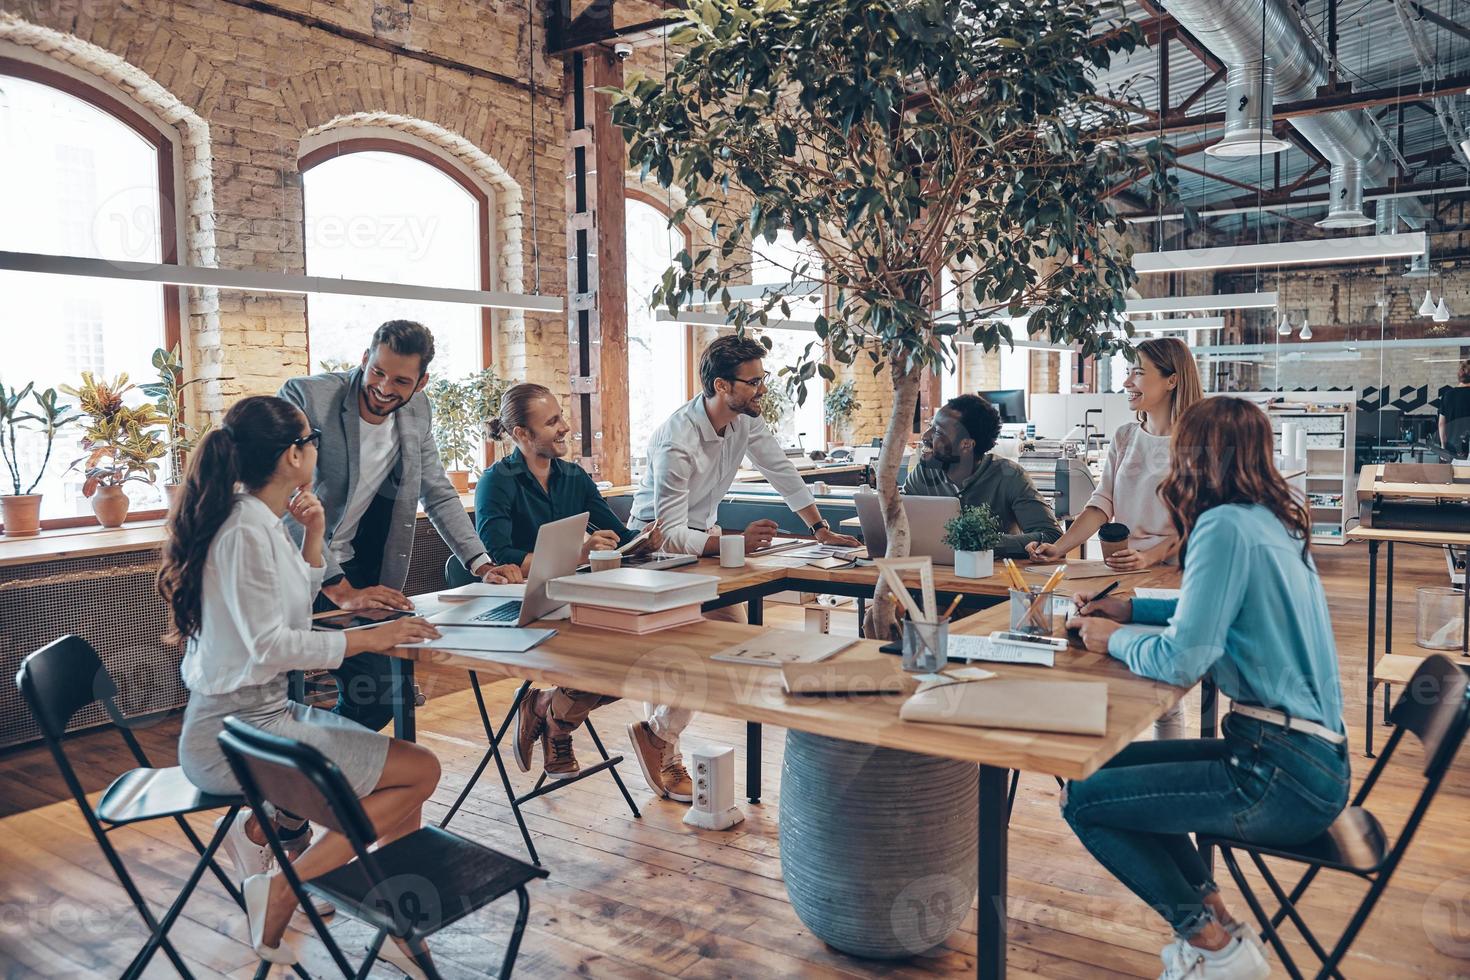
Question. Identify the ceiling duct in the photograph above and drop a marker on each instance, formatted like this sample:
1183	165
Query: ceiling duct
1387	223
1345	200
1250	92
1242	32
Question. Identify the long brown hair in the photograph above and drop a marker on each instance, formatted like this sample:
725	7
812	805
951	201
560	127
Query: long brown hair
1222	452
1174	360
245	451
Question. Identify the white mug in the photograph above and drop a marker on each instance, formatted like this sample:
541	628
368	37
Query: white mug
732	551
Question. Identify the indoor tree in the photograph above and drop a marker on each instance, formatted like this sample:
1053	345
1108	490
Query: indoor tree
897	138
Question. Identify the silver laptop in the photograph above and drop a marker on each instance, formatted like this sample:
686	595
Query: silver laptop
926	525
558	551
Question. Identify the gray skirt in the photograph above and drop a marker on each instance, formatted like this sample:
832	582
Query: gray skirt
359	752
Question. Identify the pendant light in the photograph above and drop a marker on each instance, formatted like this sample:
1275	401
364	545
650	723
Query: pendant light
1306	329
1284	327
1426	308
1442	311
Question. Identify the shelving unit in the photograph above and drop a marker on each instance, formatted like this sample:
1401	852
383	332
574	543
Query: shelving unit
1331	482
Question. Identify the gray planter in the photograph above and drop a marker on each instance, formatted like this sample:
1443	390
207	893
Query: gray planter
878	847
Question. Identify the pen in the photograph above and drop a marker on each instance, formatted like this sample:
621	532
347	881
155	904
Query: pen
1100	596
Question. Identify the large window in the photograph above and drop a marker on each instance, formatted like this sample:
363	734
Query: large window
97	183
657	352
774	263
391	212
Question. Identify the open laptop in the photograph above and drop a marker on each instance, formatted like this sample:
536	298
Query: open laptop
558	552
926	525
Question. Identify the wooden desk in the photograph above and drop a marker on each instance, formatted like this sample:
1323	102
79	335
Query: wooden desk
1375	537
674	667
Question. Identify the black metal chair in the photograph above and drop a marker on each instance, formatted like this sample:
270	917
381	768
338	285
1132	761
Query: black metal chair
1435	707
455	575
61	679
409	888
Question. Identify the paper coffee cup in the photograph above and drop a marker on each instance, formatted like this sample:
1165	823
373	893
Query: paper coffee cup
1113	537
604	561
732	551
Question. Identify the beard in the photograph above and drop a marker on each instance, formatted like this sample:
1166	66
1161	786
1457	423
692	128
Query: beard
368	402
751	406
941	458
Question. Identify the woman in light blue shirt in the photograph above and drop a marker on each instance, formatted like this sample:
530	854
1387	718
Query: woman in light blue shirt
1251	614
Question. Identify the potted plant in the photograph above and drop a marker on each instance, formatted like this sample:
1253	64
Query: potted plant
123	444
973	535
178	436
22	508
841	402
455	404
894	138
489	389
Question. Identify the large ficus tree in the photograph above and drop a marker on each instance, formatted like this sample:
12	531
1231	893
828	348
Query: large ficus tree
897	138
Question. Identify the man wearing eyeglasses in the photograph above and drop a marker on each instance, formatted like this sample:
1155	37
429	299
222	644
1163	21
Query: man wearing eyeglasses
377	461
693	458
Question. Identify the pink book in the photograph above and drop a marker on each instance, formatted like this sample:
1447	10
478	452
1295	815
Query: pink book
626	621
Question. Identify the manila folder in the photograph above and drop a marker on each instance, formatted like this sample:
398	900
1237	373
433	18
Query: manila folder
1073	707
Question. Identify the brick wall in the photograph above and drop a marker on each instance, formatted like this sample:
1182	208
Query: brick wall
240	90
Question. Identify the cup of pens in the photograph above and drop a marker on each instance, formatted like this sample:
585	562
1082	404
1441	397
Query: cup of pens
925	645
1031	606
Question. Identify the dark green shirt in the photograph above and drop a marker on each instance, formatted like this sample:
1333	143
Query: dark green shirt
510	506
1005	488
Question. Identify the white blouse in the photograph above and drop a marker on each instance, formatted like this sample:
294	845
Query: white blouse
256	598
1128	491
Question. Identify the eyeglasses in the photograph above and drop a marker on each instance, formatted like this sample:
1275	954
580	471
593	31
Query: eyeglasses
314	439
757	382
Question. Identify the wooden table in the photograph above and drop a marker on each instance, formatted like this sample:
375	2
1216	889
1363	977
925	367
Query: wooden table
673	667
1376	536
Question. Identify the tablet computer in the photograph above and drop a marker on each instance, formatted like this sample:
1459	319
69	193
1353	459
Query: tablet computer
357	619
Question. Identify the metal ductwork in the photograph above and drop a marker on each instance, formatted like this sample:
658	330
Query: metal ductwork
1387	223
1250	92
1243	32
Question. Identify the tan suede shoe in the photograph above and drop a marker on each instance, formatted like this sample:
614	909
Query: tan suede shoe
530	724
648	749
558	758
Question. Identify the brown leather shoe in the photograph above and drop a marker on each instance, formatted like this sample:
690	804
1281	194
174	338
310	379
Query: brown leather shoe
648	749
558	759
677	784
530	724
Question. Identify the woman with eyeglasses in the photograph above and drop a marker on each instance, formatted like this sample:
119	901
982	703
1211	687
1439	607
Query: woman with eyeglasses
240	592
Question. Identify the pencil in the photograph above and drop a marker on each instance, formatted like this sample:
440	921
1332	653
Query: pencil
955	602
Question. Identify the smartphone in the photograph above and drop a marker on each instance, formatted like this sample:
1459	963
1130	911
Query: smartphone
360	619
1009	636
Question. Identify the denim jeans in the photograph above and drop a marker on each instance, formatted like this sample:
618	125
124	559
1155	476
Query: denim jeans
1258	783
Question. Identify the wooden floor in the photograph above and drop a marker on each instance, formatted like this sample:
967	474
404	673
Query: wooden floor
652	897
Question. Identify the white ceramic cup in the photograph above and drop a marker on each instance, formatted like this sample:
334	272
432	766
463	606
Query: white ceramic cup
604	561
732	551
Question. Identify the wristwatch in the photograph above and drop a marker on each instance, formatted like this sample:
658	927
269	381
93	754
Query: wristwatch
820	526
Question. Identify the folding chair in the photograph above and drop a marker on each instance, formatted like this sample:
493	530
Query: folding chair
409	888
455	574
1435	707
61	679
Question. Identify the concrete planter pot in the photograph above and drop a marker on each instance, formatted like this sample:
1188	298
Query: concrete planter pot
878	847
974	564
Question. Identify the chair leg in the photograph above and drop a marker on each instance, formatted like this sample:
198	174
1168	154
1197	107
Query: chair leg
1289	907
372	955
617	778
224	879
1011	794
469	785
493	738
420	954
1359	917
515	808
512	948
1272	936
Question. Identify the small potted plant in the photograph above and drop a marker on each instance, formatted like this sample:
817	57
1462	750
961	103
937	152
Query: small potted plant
841	402
776	404
166	393
973	535
123	445
455	405
489	389
22	508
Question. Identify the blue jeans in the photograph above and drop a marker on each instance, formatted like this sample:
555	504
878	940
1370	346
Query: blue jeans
1258	783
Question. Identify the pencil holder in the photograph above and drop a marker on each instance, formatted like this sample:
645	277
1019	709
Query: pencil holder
1031	612
925	646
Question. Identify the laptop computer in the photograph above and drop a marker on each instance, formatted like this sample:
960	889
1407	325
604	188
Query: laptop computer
926	525
558	552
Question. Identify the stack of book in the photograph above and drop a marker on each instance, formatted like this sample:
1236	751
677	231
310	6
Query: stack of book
635	600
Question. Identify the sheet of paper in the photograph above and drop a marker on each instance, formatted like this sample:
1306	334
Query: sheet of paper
972	674
775	647
476	590
480	639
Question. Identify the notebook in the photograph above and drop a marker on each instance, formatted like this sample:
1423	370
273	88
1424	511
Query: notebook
1071	707
773	648
473	639
863	675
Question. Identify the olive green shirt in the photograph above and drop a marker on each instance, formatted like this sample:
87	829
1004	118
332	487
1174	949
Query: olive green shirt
1003	486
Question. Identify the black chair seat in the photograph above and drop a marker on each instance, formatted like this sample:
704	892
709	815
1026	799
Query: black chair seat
147	794
1355	843
432	876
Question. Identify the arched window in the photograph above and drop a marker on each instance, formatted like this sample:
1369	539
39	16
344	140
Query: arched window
773	263
658	353
390	211
98	183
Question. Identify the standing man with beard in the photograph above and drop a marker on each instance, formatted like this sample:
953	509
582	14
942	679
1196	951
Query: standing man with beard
955	461
693	458
377	461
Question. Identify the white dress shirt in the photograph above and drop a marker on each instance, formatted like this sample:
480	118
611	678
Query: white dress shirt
256	597
690	468
377	455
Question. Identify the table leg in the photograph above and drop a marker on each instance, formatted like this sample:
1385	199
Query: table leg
862	610
990	929
404	726
1388	627
1372	644
755	613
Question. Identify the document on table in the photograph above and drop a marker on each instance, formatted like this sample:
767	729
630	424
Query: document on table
479	639
774	648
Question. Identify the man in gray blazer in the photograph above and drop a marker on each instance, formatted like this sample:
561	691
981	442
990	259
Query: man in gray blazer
376	462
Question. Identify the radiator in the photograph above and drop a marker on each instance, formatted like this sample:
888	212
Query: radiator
110	601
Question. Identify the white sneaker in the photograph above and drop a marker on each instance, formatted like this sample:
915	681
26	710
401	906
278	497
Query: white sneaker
1246	934
1238	961
249	858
